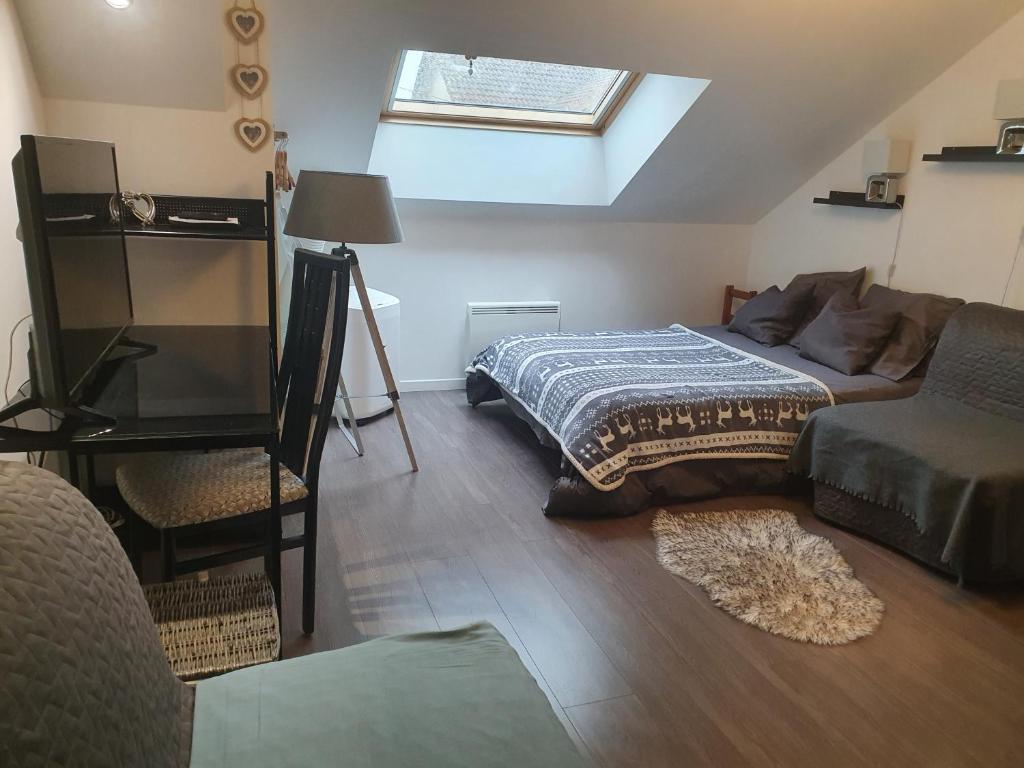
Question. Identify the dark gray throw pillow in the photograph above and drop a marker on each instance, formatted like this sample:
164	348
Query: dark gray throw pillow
922	318
772	315
825	285
847	337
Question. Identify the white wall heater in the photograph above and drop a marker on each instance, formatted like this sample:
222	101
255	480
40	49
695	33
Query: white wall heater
487	320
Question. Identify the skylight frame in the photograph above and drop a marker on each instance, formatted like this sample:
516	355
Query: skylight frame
507	118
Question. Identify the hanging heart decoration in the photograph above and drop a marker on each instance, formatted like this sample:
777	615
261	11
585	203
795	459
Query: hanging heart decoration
246	23
249	79
252	132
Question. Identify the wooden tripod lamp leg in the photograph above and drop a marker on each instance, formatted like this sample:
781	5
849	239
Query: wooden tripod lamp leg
382	358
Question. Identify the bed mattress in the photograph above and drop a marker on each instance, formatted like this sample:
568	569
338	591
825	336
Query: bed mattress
845	389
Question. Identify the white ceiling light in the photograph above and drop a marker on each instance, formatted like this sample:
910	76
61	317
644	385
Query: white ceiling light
119	4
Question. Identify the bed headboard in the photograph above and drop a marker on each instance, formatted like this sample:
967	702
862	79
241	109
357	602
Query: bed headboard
731	293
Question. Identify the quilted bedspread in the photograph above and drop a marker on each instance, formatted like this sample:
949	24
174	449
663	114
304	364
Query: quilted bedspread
625	401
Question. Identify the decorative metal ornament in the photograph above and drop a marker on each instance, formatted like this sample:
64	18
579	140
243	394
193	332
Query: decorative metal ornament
252	132
249	79
246	23
1011	138
131	201
882	188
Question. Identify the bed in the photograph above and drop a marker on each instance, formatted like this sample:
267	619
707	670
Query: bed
672	414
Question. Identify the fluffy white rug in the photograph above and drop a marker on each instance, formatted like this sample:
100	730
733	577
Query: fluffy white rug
764	569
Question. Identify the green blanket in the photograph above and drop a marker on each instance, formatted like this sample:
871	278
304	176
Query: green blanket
458	698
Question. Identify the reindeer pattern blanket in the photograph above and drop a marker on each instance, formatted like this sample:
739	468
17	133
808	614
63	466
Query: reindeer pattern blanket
626	401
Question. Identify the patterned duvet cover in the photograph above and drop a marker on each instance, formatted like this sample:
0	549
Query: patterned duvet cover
627	401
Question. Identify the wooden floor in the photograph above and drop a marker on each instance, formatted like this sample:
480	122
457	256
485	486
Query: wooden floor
641	668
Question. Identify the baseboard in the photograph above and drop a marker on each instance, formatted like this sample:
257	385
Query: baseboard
431	385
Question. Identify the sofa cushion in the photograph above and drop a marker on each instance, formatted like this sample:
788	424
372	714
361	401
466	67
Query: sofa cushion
846	336
459	698
168	491
922	318
771	316
824	285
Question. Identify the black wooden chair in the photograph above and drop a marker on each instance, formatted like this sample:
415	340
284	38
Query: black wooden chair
200	495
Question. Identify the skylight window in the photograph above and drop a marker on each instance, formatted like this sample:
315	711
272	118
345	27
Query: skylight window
451	87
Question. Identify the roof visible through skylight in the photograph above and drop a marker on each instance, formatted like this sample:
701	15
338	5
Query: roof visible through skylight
482	89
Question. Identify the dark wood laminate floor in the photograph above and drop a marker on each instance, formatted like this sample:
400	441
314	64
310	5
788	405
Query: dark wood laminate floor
640	667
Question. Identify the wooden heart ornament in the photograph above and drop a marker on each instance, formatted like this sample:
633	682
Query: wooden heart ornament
249	79
252	132
246	23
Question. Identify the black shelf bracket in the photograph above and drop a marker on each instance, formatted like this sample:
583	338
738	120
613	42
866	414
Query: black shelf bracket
856	200
971	155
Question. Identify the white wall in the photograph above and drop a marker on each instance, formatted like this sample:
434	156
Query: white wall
962	224
607	275
443	163
184	152
21	112
158	53
652	111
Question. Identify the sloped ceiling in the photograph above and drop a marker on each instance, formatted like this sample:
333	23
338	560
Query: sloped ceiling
793	82
160	53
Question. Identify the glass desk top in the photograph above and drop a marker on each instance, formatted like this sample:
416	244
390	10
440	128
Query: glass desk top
203	386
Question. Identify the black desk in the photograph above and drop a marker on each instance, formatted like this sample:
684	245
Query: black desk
203	387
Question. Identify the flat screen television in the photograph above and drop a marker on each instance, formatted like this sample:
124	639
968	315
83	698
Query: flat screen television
75	262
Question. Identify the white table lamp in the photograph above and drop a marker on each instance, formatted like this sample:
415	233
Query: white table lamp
885	160
1010	108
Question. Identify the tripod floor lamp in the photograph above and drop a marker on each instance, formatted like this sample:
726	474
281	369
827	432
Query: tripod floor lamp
351	208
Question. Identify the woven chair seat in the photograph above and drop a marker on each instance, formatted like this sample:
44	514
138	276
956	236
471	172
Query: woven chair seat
186	489
211	627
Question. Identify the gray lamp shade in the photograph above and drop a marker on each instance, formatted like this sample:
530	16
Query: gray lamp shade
343	208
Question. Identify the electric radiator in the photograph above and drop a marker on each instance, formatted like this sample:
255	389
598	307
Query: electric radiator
489	320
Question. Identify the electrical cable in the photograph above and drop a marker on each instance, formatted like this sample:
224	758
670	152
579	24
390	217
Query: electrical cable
53	417
10	355
896	249
7	386
14	421
1013	267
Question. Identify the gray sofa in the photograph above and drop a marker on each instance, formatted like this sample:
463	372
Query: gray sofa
940	475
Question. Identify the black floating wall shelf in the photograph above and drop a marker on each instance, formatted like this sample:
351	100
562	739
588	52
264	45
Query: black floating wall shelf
856	200
972	155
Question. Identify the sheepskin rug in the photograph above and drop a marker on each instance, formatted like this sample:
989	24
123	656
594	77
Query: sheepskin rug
764	569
